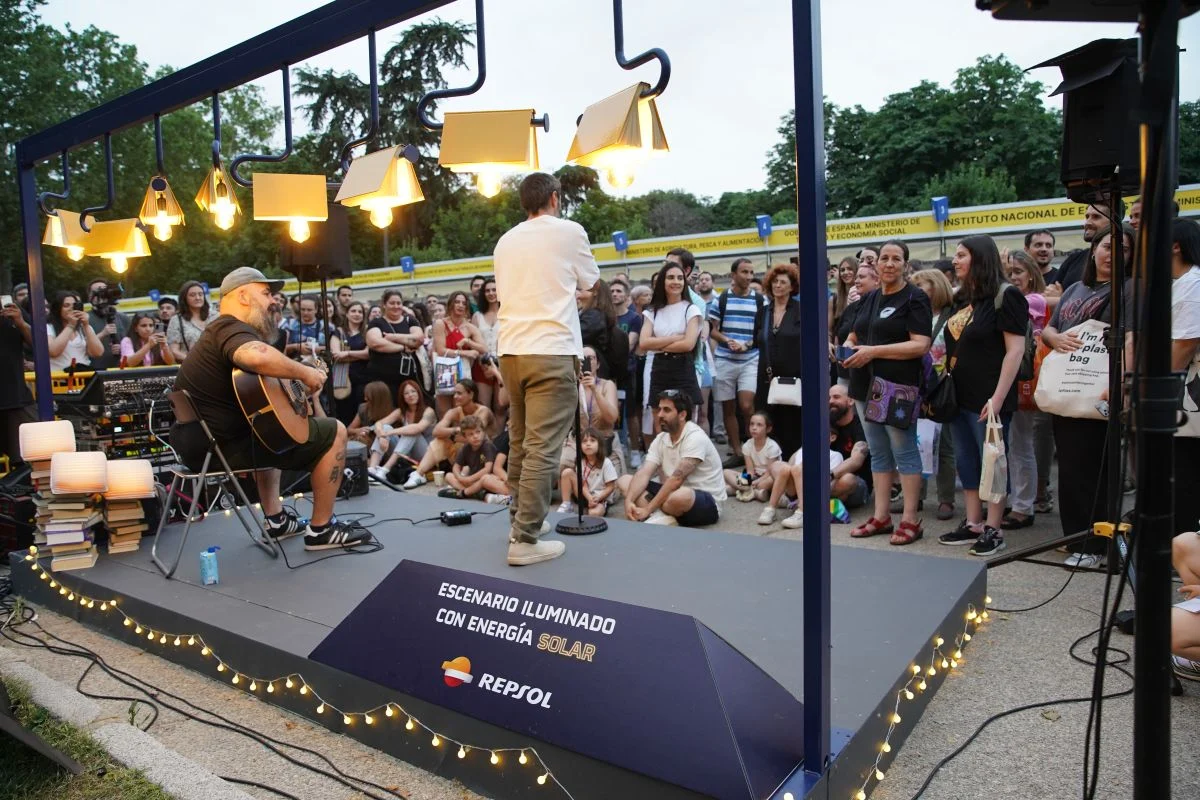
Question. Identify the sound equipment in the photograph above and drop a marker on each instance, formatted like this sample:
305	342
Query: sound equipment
355	482
276	409
116	391
326	252
1101	91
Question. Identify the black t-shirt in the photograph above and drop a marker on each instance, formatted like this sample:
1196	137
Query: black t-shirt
846	437
475	460
1071	269
391	365
889	319
501	442
975	340
207	374
13	391
1050	275
844	326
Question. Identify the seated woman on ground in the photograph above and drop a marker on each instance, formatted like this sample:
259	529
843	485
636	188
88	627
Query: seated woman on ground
409	438
446	434
760	452
377	404
599	478
1185	625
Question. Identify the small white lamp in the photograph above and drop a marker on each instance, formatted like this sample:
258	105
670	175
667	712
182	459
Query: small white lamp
130	479
78	473
40	440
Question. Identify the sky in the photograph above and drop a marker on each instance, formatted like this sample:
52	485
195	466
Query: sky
732	71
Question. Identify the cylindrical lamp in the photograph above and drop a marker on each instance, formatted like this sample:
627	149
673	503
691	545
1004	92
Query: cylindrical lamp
130	479
78	473
40	440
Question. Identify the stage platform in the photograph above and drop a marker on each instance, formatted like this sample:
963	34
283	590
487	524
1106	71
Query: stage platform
692	686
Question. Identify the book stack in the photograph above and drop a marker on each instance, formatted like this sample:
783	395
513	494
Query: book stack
69	522
40	477
125	521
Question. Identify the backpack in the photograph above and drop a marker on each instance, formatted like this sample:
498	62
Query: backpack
1025	371
759	313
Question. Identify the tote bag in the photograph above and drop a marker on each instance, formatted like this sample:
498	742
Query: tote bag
993	477
1072	384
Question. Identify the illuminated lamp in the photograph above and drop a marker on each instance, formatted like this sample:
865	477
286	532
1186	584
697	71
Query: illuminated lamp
78	473
217	197
63	230
489	144
40	440
618	134
130	479
380	181
160	209
117	240
291	198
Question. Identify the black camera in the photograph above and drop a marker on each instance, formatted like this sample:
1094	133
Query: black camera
107	298
487	360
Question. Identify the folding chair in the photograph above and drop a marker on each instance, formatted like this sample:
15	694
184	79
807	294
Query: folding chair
225	478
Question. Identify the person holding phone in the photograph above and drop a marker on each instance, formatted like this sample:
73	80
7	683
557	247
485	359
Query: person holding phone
146	344
16	401
71	338
598	409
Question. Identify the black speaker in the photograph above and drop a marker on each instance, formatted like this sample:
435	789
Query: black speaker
326	252
1100	90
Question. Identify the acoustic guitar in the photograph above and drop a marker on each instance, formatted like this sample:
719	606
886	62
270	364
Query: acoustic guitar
276	409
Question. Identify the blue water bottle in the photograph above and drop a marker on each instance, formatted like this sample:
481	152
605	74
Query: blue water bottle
209	574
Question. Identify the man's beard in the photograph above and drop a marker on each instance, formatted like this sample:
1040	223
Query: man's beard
263	324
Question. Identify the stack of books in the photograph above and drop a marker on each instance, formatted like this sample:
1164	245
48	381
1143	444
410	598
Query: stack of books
40	477
69	522
125	521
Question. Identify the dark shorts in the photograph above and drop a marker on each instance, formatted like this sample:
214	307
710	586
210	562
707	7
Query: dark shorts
704	510
861	494
249	453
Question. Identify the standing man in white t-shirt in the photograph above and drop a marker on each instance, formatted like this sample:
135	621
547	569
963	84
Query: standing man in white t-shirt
539	264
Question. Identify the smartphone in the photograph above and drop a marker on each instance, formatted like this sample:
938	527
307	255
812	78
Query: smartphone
5	300
844	352
158	326
586	368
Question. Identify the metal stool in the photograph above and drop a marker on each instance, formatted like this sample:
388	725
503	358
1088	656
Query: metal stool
185	413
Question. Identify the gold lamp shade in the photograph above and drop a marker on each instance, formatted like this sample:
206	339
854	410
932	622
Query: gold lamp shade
160	209
295	199
617	134
489	144
129	479
378	182
78	473
117	240
63	230
217	197
40	440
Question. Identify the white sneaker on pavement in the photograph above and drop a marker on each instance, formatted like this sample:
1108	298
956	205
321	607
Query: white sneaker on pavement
1083	560
796	520
660	518
497	499
767	516
521	554
567	507
414	480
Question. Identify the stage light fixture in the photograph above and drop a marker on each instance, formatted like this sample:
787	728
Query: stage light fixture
490	144
618	134
117	240
291	198
217	197
78	473
160	210
63	230
381	181
41	440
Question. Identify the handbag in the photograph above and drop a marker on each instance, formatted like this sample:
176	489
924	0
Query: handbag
784	392
341	380
448	370
1073	384
993	477
890	403
941	404
1191	400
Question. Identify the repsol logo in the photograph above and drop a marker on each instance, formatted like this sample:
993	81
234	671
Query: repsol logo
515	690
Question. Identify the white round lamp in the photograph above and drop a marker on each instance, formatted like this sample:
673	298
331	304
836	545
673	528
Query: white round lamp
78	473
130	479
40	440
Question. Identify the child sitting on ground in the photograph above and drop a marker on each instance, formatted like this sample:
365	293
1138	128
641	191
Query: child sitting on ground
787	486
472	476
599	478
760	453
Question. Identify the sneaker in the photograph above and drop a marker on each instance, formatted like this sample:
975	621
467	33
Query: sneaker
450	493
990	542
963	534
567	507
521	554
414	480
497	499
1186	668
795	521
1045	505
660	518
291	525
378	473
720	438
635	459
767	516
336	535
1084	561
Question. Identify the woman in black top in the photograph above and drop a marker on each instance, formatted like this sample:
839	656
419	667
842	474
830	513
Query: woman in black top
890	337
779	354
985	341
349	346
393	340
866	280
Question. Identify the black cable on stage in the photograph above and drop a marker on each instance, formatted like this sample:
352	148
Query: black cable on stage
258	785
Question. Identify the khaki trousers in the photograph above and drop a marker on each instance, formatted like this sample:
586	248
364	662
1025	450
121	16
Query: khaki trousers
544	396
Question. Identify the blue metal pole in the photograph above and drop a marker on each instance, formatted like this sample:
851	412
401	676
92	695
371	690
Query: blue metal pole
27	185
814	358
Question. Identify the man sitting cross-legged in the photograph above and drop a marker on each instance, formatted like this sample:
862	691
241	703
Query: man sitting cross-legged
692	485
447	437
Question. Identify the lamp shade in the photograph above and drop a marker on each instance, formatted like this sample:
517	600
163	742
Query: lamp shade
217	196
63	230
129	479
617	134
380	181
160	209
285	197
117	240
40	440
78	473
489	143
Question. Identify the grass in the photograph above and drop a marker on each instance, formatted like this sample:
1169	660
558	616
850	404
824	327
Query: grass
28	776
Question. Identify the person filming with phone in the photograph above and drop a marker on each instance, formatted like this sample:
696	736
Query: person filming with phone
146	344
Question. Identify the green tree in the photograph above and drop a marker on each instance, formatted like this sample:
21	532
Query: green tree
576	183
968	185
600	214
674	212
1189	142
472	227
734	210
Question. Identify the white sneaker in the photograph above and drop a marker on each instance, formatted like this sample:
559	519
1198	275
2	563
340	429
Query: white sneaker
1083	560
377	473
796	520
660	518
567	507
522	554
767	516
414	480
497	499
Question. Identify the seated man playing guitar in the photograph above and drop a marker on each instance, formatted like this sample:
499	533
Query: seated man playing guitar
237	339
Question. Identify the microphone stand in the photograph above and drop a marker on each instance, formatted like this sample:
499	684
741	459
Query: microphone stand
582	525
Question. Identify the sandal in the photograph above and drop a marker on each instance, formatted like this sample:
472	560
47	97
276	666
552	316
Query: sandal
1012	523
907	533
872	527
945	511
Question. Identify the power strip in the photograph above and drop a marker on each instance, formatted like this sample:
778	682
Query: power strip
458	516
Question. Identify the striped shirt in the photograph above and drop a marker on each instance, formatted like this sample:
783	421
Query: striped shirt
738	325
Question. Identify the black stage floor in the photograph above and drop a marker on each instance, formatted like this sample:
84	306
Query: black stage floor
889	608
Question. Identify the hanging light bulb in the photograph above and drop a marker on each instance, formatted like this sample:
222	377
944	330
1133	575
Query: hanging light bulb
490	144
119	264
294	199
298	230
63	230
488	183
380	181
381	217
160	209
217	197
618	134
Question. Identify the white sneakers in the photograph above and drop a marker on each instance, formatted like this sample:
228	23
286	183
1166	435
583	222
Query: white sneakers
796	520
567	507
767	516
414	480
660	518
521	554
497	499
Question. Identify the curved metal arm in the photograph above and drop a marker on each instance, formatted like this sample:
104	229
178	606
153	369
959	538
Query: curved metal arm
112	188
664	62
216	142
440	94
66	192
158	144
287	137
373	128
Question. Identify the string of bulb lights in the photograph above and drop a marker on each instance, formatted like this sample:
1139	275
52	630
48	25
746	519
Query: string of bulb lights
497	756
615	136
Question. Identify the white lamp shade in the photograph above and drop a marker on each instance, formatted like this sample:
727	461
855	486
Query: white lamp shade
78	473
130	479
40	440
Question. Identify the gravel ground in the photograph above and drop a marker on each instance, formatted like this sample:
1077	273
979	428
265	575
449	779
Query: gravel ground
1019	658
